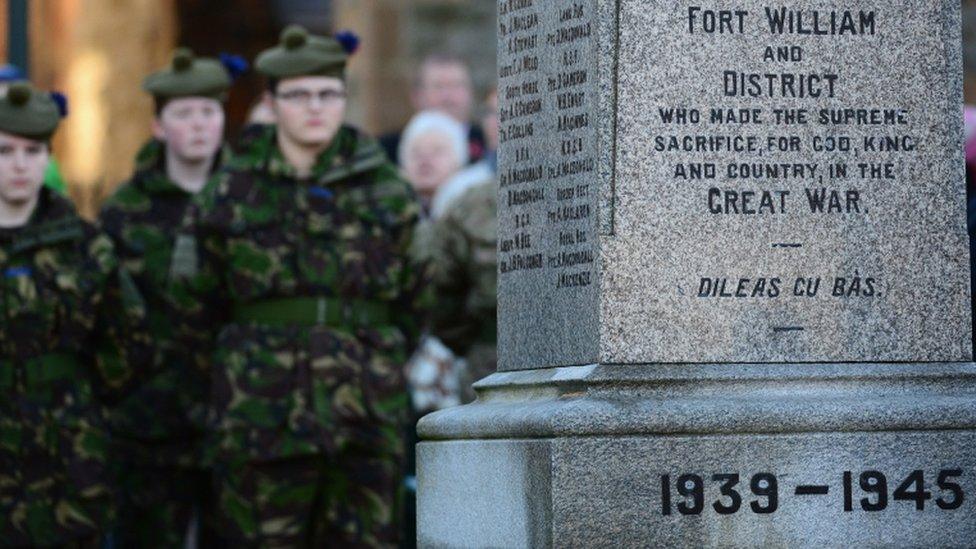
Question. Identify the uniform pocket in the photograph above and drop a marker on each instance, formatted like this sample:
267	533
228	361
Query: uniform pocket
34	308
256	401
381	396
384	377
334	381
87	498
63	475
365	244
11	440
257	257
84	448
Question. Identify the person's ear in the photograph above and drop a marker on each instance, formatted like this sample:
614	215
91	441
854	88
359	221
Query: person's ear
157	130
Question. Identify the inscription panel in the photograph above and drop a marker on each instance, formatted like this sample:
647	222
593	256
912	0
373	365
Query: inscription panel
813	490
789	184
548	183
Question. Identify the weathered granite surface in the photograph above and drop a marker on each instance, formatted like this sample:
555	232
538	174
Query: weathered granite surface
577	457
708	399
485	494
653	208
620	504
554	159
901	237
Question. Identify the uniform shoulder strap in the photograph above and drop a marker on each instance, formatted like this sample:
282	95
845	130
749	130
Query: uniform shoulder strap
367	156
67	229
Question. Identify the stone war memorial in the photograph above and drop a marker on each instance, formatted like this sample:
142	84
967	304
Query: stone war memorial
734	290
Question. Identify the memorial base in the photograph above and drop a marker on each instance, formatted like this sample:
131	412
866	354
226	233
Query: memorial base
801	455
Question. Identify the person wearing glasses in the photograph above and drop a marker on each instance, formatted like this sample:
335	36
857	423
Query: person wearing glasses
297	261
72	337
160	425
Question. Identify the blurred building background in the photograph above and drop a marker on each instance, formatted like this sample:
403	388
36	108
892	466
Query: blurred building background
98	51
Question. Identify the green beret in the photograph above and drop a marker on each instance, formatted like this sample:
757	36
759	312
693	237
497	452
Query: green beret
303	54
29	113
189	76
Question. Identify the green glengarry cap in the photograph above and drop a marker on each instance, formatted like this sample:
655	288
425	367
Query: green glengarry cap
29	113
189	76
303	54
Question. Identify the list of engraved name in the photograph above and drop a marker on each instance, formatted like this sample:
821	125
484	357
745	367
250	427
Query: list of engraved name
546	174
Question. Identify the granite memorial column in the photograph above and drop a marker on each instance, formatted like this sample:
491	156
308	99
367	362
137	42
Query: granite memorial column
733	283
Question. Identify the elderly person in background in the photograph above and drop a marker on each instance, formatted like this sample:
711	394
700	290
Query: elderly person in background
477	173
432	151
459	246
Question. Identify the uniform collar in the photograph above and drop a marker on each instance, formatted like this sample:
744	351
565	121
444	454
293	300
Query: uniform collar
151	168
350	153
50	207
53	213
328	159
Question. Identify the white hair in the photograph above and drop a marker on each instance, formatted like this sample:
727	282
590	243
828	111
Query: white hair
435	121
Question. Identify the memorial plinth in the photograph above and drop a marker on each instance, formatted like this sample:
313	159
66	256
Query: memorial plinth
733	284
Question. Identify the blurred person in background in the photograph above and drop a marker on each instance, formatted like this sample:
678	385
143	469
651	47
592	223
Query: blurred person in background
479	172
298	264
443	84
438	378
432	151
70	340
260	114
160	425
460	248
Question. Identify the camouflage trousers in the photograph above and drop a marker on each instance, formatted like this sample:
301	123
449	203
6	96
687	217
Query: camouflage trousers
157	504
54	491
48	525
314	501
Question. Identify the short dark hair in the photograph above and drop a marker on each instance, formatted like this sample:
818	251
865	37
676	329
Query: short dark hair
159	103
272	85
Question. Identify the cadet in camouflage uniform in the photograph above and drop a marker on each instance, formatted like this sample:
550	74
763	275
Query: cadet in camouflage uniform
67	320
461	250
10	74
160	426
298	254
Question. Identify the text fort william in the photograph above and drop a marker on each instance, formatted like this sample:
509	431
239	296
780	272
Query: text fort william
782	20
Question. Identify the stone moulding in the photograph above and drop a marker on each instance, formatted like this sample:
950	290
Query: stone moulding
733	399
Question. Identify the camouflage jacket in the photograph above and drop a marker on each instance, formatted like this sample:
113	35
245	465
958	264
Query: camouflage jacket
70	334
162	418
461	250
264	251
